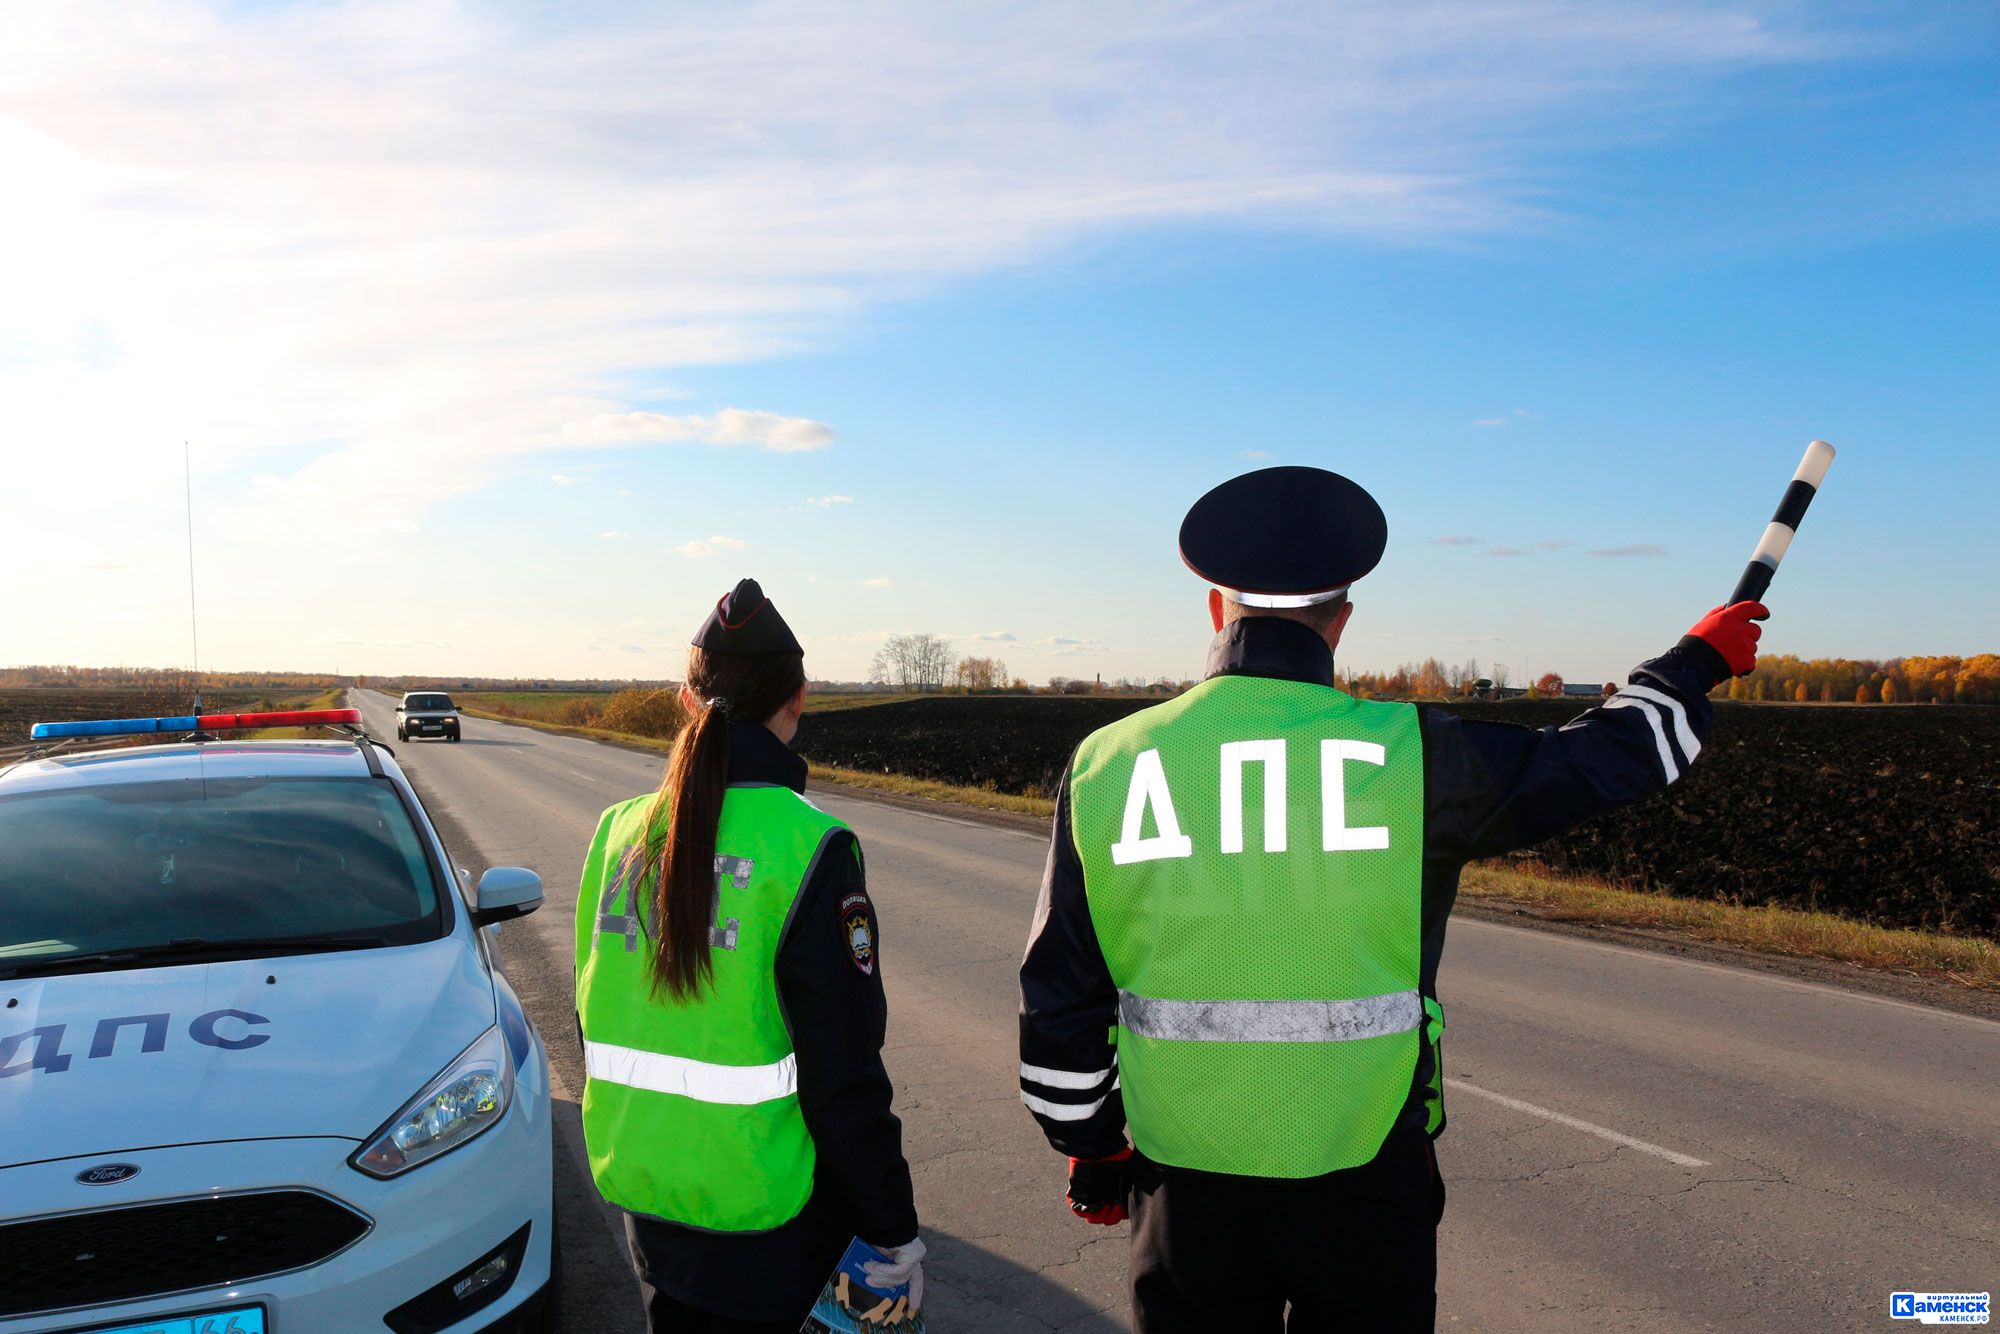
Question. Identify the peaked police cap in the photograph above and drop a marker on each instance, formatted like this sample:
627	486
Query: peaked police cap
1284	537
744	623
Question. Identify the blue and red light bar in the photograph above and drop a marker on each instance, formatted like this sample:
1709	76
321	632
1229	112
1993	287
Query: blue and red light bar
206	722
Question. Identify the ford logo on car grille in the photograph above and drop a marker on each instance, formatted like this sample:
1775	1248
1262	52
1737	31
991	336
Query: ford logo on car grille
107	1174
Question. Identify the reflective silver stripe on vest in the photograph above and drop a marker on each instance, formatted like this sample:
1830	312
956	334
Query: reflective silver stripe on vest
740	1085
1270	1020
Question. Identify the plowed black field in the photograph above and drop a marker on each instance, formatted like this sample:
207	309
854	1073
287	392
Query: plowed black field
1889	815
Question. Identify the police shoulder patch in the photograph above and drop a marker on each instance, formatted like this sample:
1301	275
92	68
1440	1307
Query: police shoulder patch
857	930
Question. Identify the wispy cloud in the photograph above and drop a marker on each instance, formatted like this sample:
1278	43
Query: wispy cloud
1518	414
731	426
1638	549
1453	540
828	502
1510	551
1558	544
883	582
1258	454
703	548
1491	421
613	535
995	637
1063	646
563	479
293	193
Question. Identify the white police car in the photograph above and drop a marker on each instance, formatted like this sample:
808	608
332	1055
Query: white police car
259	1071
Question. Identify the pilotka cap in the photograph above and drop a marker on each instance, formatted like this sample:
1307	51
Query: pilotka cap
1284	537
744	624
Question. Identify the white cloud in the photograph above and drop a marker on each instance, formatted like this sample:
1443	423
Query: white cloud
1455	540
731	426
995	637
828	502
1491	421
876	583
613	535
1509	551
1063	646
350	244
1258	454
702	549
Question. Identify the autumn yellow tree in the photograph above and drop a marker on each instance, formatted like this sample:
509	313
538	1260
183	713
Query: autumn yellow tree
1889	691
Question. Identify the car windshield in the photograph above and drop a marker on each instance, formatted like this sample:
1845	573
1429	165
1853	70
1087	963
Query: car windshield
141	866
427	702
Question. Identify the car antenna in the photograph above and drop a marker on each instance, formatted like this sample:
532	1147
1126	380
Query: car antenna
194	624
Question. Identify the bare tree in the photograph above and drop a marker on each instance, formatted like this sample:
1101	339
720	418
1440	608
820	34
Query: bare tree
1499	676
913	662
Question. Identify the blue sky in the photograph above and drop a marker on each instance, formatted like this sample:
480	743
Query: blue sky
940	323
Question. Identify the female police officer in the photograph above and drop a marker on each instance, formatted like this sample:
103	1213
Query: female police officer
730	999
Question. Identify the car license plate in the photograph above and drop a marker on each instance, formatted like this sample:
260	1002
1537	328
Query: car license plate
236	1320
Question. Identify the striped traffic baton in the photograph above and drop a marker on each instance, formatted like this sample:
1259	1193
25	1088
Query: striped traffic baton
1784	524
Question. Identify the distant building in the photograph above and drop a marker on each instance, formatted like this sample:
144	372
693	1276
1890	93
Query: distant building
1582	691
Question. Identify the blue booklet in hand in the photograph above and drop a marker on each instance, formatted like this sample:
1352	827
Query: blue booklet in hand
847	1305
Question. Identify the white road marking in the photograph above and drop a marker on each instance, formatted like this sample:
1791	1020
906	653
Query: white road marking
1589	1128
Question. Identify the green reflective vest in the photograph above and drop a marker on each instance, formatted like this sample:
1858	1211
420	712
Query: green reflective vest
1252	857
691	1108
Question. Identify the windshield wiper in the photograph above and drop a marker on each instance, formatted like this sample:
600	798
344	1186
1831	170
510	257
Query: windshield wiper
188	948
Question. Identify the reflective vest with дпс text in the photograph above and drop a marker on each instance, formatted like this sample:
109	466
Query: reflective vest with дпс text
691	1108
1252	856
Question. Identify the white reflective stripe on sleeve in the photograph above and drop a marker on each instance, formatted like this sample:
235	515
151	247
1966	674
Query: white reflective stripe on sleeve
739	1085
1771	548
1270	1020
1682	732
1062	1111
1063	1079
1667	765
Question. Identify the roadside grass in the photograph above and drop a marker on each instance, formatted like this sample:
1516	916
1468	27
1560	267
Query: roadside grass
1967	960
991	799
833	703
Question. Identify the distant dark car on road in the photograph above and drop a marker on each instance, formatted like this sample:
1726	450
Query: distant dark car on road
426	713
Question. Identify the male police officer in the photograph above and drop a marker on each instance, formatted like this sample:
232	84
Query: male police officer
1236	947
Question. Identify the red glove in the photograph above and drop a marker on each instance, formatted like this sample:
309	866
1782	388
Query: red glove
1097	1188
1731	632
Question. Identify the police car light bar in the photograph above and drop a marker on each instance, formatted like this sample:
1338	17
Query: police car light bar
207	722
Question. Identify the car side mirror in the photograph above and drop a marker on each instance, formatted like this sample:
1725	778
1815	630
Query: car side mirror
506	892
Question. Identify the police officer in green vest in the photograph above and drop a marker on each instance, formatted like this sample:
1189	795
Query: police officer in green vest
729	995
1235	952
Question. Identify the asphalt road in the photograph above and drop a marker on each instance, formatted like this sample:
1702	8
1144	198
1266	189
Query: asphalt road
1636	1141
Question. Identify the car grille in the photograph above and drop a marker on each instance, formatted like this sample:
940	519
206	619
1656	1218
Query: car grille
113	1255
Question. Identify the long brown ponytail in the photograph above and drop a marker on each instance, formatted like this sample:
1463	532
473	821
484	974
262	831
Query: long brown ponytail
680	850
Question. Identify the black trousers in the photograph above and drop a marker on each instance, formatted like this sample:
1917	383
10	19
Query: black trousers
664	1315
1351	1250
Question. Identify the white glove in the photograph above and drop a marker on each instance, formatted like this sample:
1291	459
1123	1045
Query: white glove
904	1265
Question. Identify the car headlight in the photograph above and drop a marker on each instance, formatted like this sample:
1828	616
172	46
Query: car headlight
471	1094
